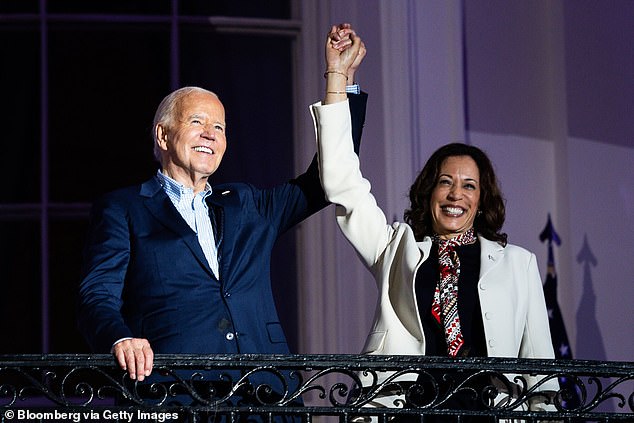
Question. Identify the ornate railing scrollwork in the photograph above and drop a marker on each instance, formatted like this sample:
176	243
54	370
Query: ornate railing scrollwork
201	388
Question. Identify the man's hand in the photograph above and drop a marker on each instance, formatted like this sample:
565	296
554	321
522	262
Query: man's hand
136	356
355	65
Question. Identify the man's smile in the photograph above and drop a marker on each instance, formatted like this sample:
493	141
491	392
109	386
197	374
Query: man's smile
203	149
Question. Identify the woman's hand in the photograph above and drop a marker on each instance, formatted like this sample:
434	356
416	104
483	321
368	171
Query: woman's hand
343	49
344	54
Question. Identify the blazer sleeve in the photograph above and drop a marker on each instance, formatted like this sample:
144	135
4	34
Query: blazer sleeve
358	103
106	257
536	339
290	203
361	220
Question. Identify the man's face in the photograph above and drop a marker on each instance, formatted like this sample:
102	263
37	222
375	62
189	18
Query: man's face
194	143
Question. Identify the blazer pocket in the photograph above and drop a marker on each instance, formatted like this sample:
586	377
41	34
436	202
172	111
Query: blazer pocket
375	341
276	333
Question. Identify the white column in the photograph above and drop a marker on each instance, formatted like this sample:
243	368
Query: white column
320	245
423	104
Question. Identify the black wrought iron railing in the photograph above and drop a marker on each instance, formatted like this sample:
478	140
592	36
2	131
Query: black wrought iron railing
197	388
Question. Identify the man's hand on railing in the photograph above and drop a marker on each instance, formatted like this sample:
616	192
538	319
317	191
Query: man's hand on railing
135	356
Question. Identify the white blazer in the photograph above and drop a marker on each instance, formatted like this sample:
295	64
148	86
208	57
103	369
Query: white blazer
510	288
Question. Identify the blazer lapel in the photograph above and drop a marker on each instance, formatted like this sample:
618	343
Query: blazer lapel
161	207
227	214
490	254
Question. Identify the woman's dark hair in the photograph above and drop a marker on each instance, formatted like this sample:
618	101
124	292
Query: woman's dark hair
489	219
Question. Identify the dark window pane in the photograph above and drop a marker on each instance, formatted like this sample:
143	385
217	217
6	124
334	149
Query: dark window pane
272	9
105	83
20	288
256	89
20	116
19	6
66	241
110	6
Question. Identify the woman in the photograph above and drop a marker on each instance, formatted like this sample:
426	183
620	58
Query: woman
449	283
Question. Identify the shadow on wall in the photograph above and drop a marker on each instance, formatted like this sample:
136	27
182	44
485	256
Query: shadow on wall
590	345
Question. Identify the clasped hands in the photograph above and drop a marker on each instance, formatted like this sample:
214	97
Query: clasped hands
344	51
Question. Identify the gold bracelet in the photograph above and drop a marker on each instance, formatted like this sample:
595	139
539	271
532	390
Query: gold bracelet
333	71
336	92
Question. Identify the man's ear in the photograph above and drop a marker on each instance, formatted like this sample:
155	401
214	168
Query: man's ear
161	136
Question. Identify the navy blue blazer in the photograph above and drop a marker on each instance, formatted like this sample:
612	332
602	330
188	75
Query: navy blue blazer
145	274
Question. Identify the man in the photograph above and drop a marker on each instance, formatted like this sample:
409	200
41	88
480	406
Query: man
176	266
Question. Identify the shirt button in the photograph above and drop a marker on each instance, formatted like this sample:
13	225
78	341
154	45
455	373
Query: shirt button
227	294
230	336
492	343
483	286
488	315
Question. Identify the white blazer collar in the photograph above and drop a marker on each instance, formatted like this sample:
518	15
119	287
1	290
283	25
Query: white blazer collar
490	254
425	247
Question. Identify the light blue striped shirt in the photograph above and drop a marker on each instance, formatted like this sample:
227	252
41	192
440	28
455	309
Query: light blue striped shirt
353	89
193	208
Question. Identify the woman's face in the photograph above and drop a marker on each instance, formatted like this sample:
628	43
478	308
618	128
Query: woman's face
456	196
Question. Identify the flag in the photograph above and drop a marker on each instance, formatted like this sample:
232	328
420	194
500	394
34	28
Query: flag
557	328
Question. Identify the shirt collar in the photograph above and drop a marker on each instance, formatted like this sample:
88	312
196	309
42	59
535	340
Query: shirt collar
175	189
